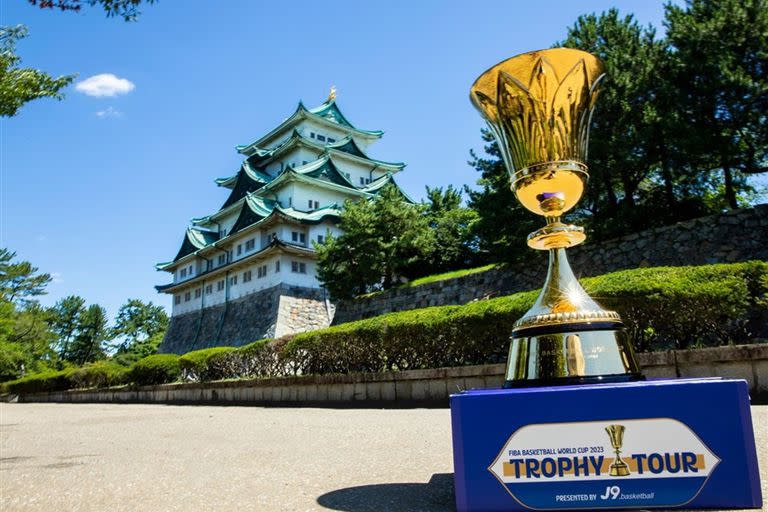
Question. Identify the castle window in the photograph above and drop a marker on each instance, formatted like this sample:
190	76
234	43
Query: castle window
312	134
362	180
298	267
239	249
220	285
183	273
233	280
305	162
261	271
317	205
310	203
347	175
177	299
187	296
331	140
321	138
277	266
208	289
198	292
290	202
222	259
250	244
247	276
320	239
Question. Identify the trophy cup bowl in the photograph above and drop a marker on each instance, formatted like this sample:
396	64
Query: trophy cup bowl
616	434
538	106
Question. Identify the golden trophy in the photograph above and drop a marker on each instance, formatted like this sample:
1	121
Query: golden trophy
616	433
538	106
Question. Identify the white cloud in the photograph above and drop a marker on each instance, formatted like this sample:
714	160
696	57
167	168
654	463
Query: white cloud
108	112
56	278
105	84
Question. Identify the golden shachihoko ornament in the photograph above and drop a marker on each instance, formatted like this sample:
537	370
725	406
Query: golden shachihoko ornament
538	106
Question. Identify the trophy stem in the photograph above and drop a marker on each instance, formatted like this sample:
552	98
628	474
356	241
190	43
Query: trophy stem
567	338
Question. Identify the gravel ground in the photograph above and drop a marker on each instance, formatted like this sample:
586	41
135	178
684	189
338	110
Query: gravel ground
97	457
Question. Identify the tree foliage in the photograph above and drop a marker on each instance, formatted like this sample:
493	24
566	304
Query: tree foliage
502	223
140	327
126	9
381	241
452	224
20	85
679	125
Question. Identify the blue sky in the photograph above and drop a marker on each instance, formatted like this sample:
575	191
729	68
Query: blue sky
95	190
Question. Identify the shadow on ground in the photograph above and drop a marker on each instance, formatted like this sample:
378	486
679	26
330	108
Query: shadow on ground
434	496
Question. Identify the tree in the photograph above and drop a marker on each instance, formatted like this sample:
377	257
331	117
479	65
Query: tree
126	9
92	332
20	282
628	126
452	224
141	327
21	85
502	224
721	45
25	338
66	316
382	239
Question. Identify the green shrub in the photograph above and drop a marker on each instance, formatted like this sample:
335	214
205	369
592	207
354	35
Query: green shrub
155	369
41	382
663	307
100	374
207	364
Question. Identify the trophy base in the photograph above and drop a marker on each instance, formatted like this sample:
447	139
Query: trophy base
567	354
617	470
689	444
574	381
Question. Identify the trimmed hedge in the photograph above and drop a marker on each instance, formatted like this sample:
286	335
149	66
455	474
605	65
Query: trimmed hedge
155	369
95	375
206	364
662	307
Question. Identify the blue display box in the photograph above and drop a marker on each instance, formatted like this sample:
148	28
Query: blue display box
681	444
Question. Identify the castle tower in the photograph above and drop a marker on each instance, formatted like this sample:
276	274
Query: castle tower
248	271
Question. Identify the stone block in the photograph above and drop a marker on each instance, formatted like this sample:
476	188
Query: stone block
437	389
348	392
474	383
737	370
360	391
659	372
403	390
388	391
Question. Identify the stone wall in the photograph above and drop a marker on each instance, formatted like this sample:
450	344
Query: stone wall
416	387
738	235
276	311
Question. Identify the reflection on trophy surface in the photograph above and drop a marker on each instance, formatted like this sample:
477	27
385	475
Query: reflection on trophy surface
538	106
616	433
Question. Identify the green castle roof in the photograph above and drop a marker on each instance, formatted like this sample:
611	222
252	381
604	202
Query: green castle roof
328	112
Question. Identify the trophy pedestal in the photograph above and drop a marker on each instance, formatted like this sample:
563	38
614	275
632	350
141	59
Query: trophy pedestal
684	443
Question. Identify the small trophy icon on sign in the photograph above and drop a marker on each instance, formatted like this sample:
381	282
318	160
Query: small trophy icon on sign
616	434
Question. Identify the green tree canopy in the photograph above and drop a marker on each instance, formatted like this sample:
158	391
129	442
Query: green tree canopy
19	281
126	9
455	243
21	85
92	333
139	327
383	238
722	51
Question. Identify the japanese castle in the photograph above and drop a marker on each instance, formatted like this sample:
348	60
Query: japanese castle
248	271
